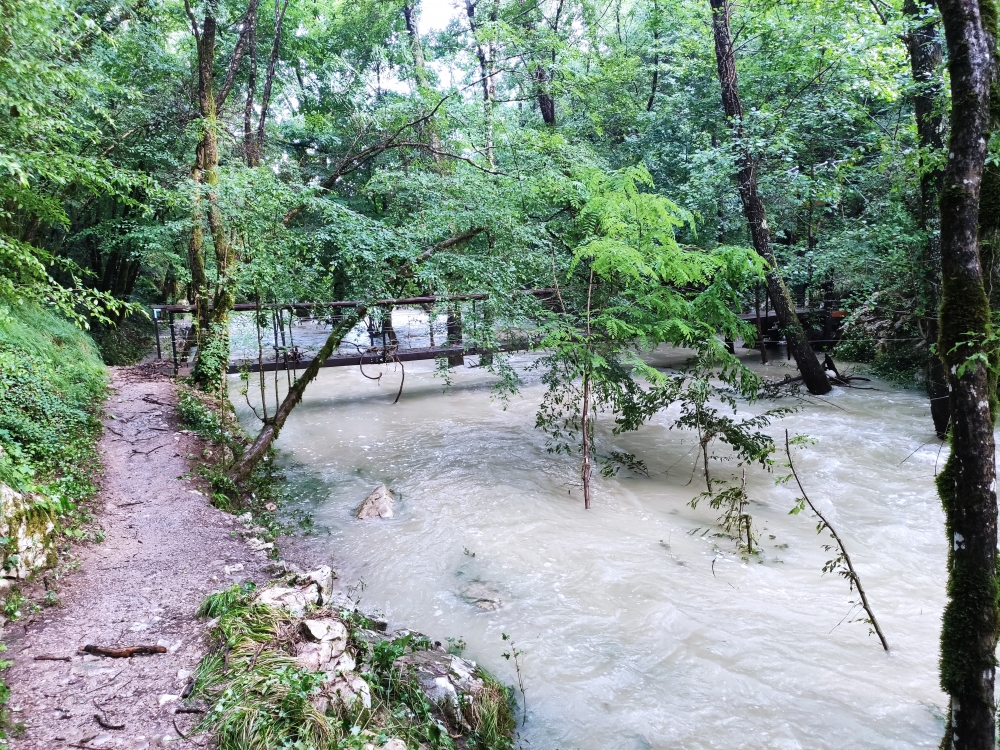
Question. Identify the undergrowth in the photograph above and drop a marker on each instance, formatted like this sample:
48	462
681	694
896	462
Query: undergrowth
126	343
215	421
260	699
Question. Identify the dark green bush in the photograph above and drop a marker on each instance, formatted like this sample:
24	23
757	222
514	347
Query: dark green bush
52	382
126	343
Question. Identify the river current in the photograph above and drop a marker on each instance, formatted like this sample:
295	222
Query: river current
639	626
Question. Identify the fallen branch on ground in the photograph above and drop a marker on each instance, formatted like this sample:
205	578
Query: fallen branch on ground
106	724
52	657
123	653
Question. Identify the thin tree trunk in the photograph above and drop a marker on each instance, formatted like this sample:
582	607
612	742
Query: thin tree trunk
485	56
966	484
455	335
656	57
411	14
585	426
272	64
585	410
925	58
253	455
812	371
249	145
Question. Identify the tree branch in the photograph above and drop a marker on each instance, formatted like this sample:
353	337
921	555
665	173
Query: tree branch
249	21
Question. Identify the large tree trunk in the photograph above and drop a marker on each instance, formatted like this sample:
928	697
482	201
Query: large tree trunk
966	484
213	333
925	57
272	426
213	342
812	371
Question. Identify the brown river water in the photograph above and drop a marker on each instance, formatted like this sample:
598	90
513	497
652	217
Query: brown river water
640	627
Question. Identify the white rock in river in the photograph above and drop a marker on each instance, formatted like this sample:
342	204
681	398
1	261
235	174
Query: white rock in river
483	596
376	505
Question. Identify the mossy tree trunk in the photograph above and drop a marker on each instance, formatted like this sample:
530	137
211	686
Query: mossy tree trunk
966	485
813	374
926	55
206	366
213	322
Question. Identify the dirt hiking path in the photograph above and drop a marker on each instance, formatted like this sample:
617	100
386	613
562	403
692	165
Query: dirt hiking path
165	548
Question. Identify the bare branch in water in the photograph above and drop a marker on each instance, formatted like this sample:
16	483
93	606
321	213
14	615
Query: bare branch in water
843	559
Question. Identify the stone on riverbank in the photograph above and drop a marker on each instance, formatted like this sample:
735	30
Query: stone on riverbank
378	504
449	682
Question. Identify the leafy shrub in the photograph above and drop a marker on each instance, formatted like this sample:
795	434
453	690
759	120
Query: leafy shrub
126	343
52	381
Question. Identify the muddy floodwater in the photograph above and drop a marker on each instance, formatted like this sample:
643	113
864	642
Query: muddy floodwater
640	627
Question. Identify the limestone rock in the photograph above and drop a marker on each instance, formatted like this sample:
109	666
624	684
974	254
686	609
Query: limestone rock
394	744
349	688
346	663
314	657
483	596
26	521
295	600
449	682
326	631
323	578
376	505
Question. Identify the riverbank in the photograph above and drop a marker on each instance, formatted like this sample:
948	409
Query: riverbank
172	574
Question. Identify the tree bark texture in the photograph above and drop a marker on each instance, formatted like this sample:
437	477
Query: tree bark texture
812	371
253	455
925	58
213	325
966	484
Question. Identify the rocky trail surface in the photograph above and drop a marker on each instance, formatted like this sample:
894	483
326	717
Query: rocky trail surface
165	549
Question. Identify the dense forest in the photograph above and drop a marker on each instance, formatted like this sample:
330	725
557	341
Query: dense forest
604	177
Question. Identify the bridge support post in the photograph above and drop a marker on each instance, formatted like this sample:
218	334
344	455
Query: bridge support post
455	337
173	340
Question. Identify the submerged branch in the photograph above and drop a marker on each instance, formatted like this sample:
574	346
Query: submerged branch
851	574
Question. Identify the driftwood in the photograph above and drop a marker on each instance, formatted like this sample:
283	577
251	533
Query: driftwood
849	573
123	653
788	385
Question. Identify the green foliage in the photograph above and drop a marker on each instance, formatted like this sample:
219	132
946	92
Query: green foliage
260	699
124	343
51	384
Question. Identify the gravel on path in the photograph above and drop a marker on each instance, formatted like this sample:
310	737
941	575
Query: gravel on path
165	549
